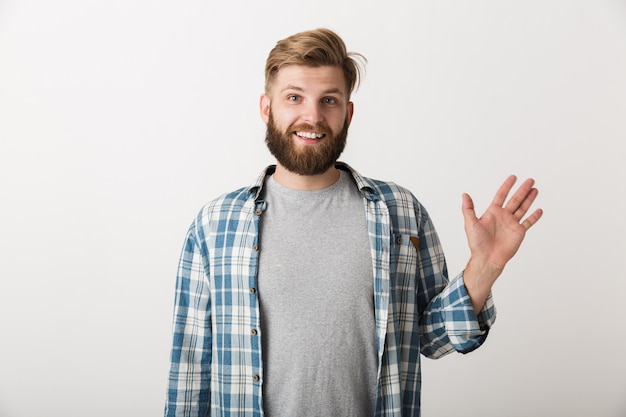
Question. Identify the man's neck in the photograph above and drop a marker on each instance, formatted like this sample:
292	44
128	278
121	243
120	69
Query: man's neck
305	182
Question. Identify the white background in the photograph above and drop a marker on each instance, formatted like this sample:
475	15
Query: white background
119	119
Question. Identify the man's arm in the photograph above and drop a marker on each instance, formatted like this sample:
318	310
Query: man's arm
495	237
447	319
188	392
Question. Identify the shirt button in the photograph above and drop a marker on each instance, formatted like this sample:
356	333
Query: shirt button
258	212
253	290
256	378
253	331
255	247
399	240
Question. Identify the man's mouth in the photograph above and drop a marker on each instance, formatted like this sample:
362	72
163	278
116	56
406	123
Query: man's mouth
310	135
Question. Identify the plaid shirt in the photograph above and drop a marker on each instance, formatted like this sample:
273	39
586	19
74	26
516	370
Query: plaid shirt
216	362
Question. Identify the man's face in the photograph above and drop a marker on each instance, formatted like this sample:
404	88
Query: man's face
307	115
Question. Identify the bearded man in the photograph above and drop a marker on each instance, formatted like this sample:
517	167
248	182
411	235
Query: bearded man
314	291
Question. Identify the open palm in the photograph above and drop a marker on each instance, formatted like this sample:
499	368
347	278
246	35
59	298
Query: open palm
497	235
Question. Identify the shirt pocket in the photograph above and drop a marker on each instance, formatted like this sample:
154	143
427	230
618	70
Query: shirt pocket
404	261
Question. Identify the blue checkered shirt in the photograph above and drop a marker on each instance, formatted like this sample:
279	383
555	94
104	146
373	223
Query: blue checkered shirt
216	361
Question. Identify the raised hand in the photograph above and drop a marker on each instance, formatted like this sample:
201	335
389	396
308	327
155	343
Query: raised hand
496	236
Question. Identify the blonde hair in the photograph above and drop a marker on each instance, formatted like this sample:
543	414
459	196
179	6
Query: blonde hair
315	48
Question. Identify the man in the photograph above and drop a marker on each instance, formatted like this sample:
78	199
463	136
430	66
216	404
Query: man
313	291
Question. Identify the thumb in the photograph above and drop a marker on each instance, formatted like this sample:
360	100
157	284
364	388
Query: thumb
469	214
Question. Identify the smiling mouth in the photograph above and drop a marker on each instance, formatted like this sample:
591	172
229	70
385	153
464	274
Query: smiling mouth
310	135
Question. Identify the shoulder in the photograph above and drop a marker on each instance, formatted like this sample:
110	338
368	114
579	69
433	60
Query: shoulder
400	201
406	213
225	205
392	194
232	204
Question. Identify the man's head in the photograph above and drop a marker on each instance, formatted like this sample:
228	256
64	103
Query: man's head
309	78
315	48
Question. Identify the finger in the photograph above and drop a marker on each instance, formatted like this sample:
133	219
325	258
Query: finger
532	219
525	205
469	214
517	200
503	191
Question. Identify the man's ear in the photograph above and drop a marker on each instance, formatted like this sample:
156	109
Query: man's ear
264	107
350	112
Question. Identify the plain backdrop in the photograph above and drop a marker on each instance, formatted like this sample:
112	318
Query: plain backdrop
119	119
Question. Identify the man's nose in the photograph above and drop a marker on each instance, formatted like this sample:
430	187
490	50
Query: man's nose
313	113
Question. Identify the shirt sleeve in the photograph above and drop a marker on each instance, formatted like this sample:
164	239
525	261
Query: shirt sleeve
188	392
448	322
452	310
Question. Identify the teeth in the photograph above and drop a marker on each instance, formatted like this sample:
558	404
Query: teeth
310	135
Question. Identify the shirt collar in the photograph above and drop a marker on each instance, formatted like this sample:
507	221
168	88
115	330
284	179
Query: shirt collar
365	185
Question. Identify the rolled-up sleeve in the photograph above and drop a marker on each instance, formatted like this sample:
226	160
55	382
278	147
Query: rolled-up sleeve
452	309
448	322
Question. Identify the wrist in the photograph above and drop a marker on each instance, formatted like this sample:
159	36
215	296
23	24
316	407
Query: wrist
483	271
478	277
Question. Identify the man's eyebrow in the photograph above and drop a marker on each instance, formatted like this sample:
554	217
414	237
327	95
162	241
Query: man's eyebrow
333	90
292	87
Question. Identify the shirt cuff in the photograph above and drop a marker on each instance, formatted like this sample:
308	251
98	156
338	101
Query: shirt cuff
466	330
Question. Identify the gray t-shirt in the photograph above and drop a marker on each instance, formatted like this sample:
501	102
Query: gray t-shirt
317	303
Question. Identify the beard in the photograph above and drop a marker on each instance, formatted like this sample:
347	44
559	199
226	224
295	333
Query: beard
305	160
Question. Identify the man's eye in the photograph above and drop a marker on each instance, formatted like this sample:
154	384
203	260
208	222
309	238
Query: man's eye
293	98
329	100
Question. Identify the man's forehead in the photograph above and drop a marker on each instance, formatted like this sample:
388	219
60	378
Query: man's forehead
330	79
